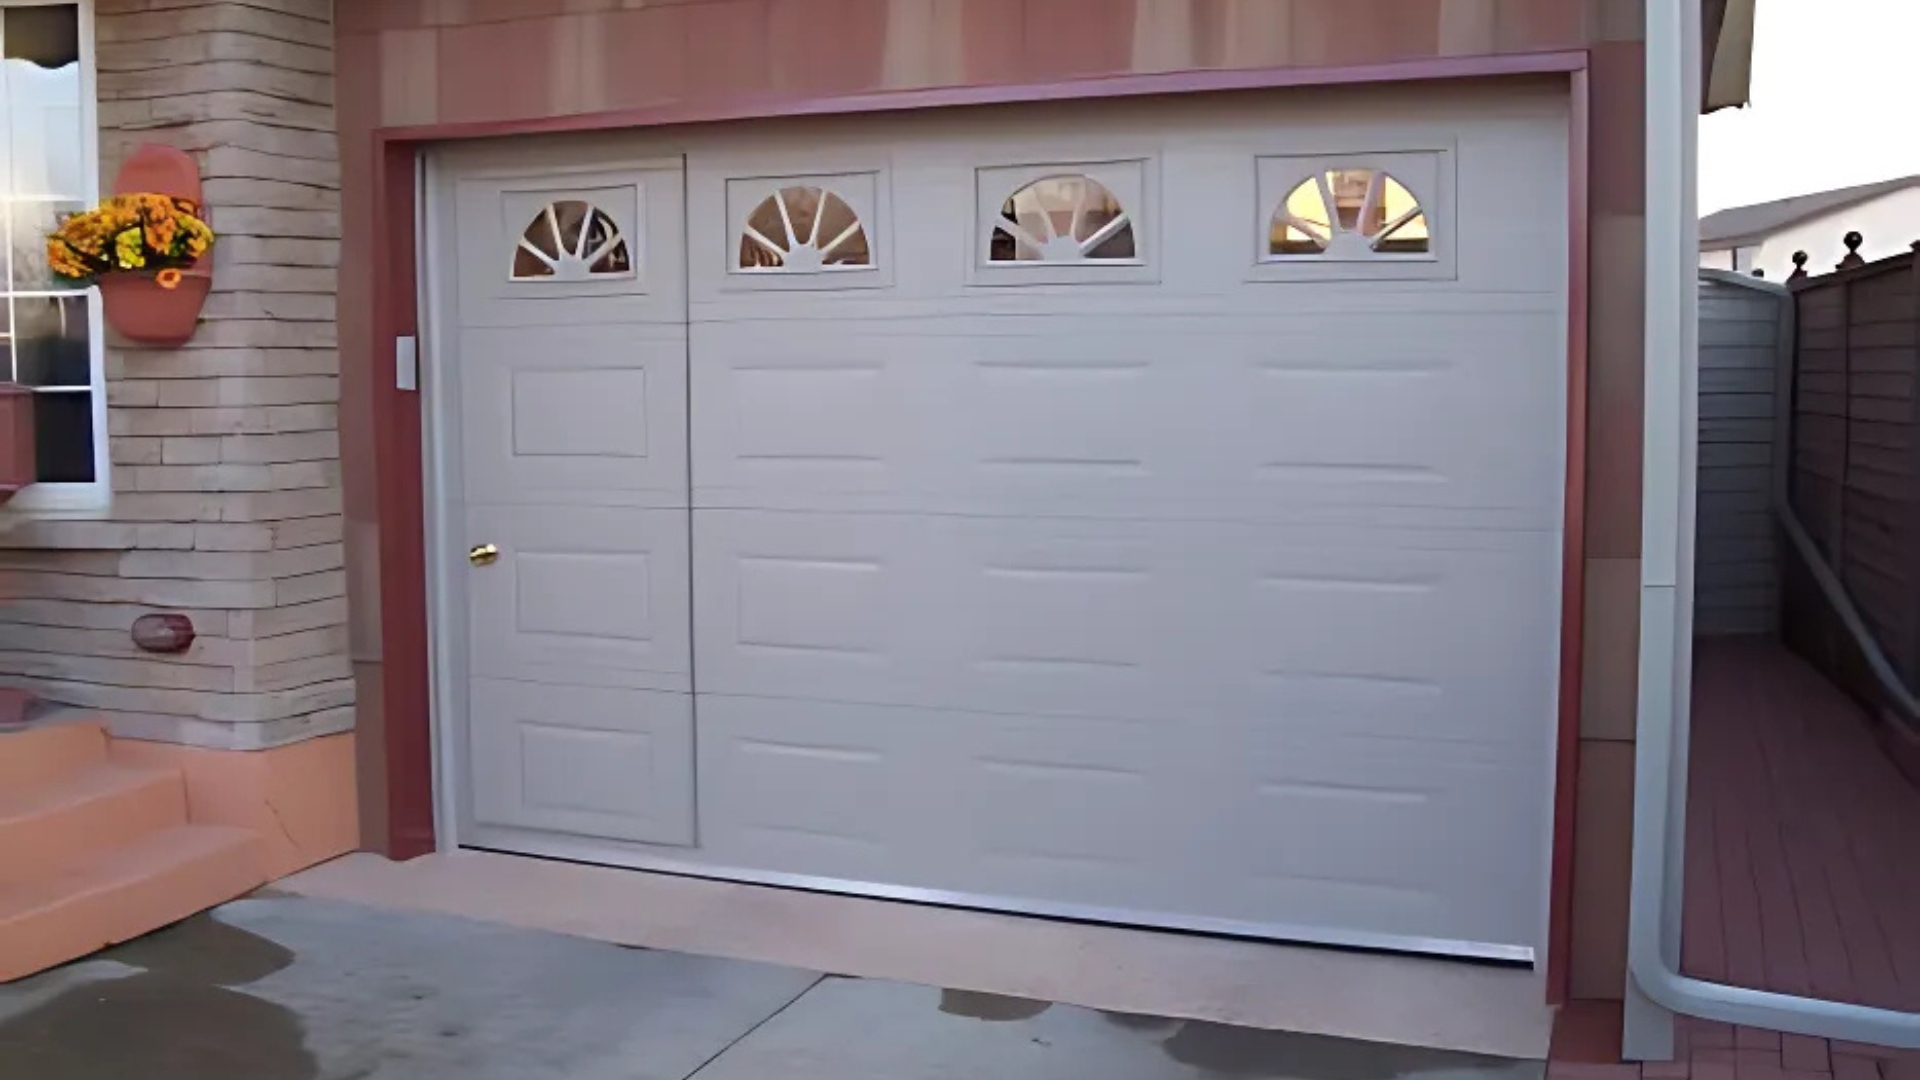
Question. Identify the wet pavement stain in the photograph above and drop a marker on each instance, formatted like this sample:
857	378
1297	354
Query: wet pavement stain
994	1008
1223	1050
178	1019
1138	1021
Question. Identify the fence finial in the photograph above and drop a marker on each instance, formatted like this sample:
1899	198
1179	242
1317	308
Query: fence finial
1799	266
1853	240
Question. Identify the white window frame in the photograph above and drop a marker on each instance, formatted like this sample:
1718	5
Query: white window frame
99	492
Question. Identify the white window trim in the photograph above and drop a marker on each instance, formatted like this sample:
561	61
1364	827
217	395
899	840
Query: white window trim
99	492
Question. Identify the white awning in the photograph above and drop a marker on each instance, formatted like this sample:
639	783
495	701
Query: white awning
1728	40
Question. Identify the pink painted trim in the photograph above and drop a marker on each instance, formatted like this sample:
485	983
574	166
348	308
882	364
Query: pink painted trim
1573	571
1105	86
17	454
400	483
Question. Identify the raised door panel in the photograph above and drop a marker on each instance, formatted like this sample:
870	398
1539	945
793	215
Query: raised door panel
594	596
592	414
589	761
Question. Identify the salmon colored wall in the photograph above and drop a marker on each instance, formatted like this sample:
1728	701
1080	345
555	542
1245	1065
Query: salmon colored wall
418	63
299	798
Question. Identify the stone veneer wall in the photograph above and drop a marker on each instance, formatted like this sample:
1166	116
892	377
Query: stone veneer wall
225	452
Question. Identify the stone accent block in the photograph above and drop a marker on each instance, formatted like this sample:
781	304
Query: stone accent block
225	451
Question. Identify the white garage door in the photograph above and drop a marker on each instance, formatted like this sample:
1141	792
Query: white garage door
1145	511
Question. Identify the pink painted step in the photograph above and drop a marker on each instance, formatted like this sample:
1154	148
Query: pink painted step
124	892
37	755
48	826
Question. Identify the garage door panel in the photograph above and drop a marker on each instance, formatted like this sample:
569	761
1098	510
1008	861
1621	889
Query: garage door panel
614	763
1435	636
801	408
593	414
1059	810
950	612
1413	637
1086	807
503	211
1419	840
1123	817
811	606
1418	422
820	788
590	595
1132	418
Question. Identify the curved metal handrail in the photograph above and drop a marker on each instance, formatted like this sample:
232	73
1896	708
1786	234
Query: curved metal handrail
1836	596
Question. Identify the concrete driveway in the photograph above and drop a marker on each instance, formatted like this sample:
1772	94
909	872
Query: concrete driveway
288	988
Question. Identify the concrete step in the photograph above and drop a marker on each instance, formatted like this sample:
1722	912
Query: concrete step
124	892
40	754
47	826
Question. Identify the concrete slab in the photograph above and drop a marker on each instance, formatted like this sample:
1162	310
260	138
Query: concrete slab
1395	999
847	1029
291	988
298	989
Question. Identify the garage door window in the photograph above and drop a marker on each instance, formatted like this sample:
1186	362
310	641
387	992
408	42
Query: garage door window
572	240
1354	216
1064	224
1352	212
804	229
1063	219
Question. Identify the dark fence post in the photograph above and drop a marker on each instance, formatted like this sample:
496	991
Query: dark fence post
1852	258
1910	664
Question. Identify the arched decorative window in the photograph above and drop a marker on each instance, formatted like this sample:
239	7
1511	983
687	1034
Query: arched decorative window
1350	214
572	240
804	229
1067	218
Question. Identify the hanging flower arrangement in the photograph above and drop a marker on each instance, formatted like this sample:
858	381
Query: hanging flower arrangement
130	233
147	254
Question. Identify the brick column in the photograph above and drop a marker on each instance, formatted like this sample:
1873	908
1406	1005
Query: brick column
226	472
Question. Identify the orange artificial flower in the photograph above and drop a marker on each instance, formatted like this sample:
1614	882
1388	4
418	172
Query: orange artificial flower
168	278
129	233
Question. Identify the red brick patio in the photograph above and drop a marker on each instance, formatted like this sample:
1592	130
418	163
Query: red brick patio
1803	876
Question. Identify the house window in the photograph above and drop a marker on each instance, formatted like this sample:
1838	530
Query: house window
50	337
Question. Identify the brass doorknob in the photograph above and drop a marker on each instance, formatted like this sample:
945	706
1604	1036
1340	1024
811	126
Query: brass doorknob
483	555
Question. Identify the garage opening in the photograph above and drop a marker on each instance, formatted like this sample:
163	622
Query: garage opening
1146	511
